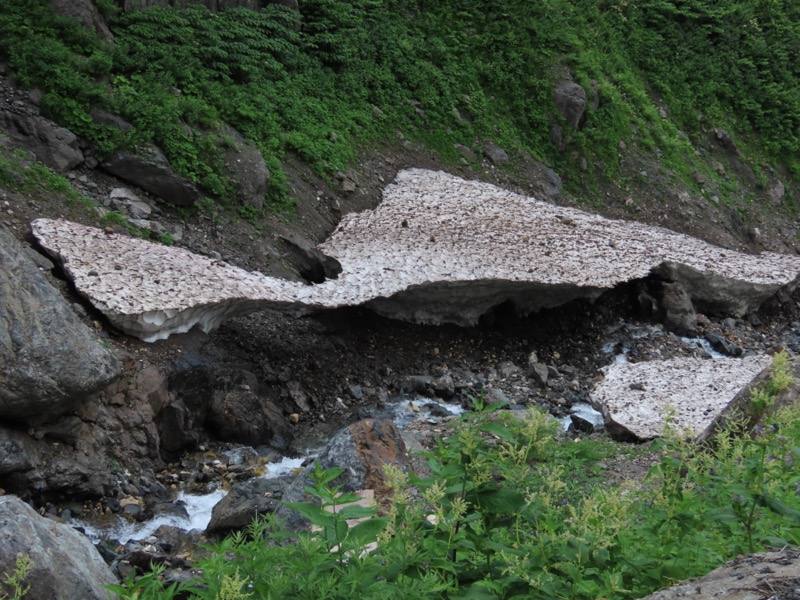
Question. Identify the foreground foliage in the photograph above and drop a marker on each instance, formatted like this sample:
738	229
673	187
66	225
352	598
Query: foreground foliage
510	512
337	75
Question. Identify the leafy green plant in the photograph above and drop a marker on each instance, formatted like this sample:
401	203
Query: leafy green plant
508	511
249	214
15	581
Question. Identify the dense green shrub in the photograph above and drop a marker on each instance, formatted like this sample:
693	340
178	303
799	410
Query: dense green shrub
306	82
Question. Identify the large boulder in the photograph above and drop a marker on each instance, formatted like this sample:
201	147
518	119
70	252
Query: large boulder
49	360
149	169
86	13
241	415
64	564
545	183
362	450
570	101
245	502
245	165
52	145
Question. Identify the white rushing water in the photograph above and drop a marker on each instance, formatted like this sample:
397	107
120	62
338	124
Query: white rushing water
196	514
706	346
585	411
284	466
406	412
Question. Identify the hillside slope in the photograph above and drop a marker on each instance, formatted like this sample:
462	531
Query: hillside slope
683	113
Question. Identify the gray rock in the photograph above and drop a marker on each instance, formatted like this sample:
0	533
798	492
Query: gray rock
508	369
444	386
241	416
245	502
538	372
18	451
417	384
245	165
497	396
150	170
495	154
124	200
748	577
466	152
54	146
103	117
679	316
570	101
49	360
720	344
776	193
546	183
64	564
726	141
313	265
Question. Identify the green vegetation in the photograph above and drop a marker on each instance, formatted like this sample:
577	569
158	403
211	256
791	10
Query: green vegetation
19	171
14	582
340	75
510	512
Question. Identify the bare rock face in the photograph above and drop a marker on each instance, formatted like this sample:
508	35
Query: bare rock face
438	249
362	449
151	171
18	452
765	575
86	13
638	399
49	360
570	100
245	165
65	564
52	145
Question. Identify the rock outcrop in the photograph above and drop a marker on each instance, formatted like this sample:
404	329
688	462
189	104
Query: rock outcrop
437	249
570	101
49	360
766	575
637	400
86	13
150	170
245	165
64	564
245	502
52	145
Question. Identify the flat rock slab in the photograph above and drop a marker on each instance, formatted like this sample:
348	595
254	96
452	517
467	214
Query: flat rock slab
637	399
437	249
766	575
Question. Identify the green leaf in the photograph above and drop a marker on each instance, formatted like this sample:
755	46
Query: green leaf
313	513
500	431
354	511
368	531
499	501
722	514
779	507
